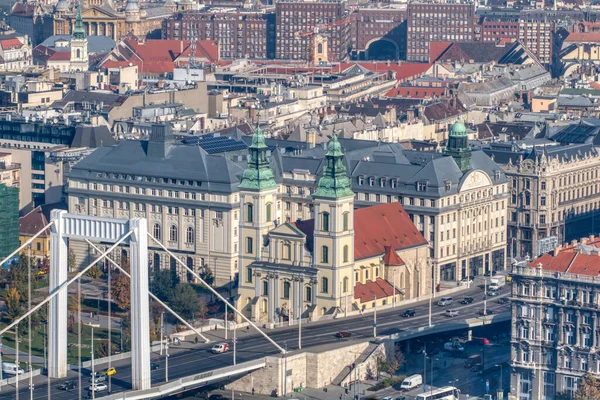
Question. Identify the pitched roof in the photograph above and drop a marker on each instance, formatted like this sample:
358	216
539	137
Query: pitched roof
367	292
403	70
60	56
583	37
477	52
374	228
31	223
436	49
9	44
391	257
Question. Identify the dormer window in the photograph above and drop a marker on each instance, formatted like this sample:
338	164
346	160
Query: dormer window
448	186
382	182
394	183
421	186
371	181
361	180
496	175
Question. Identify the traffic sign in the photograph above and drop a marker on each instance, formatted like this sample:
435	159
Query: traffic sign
374	325
487	384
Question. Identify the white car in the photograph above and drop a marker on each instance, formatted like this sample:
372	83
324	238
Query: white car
99	378
465	282
220	348
451	313
98	387
445	301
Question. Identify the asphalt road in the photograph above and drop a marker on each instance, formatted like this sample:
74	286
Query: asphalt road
184	362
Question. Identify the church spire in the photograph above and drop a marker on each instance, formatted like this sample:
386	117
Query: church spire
78	31
334	182
258	174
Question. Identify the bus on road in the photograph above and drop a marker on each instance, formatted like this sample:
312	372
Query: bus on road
444	393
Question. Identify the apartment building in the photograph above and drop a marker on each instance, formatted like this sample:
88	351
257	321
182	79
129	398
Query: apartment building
240	34
535	32
297	21
554	335
370	25
429	22
554	194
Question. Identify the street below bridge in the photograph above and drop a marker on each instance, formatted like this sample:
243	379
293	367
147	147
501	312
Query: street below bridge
189	359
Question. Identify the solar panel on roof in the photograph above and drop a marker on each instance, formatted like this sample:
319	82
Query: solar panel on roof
215	144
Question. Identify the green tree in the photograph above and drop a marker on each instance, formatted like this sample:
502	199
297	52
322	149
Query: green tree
163	284
184	301
588	388
13	303
207	275
94	272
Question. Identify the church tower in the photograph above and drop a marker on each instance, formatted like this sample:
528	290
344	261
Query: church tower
333	248
79	46
258	215
132	15
458	146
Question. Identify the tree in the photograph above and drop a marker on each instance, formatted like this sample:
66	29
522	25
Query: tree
13	303
101	349
72	304
588	388
94	272
163	284
184	301
207	275
121	291
71	260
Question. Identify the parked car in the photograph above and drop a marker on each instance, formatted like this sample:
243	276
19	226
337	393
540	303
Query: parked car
451	313
98	387
504	300
485	312
220	348
466	300
154	365
67	385
343	334
409	313
445	301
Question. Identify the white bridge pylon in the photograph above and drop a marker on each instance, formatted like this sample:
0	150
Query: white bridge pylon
64	226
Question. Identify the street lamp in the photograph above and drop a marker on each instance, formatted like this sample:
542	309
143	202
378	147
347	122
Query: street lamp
374	316
166	362
93	386
162	315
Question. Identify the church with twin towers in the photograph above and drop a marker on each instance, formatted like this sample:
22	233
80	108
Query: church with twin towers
340	261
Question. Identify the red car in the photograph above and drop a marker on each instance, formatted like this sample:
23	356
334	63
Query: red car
343	334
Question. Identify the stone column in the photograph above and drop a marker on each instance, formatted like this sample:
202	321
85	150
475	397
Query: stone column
257	285
561	325
140	311
272	245
57	318
577	330
295	262
271	302
593	330
275	292
314	292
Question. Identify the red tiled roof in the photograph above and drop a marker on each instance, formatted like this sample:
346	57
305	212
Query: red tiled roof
374	228
60	56
403	71
583	37
367	292
436	49
391	257
12	43
31	223
558	263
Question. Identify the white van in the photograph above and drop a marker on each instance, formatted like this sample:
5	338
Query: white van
11	369
412	382
445	301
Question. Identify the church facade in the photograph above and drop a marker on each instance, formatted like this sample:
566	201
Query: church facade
342	260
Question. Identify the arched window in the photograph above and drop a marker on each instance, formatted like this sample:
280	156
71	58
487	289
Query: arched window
324	285
325	254
308	294
78	53
286	290
265	288
286	251
346	220
345	285
173	233
249	245
189	235
268	209
325	221
346	253
320	48
157	232
156	262
249	212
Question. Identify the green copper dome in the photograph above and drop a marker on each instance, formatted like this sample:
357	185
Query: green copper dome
78	31
458	129
334	182
258	174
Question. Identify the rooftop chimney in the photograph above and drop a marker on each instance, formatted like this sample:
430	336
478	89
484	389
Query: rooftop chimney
160	140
